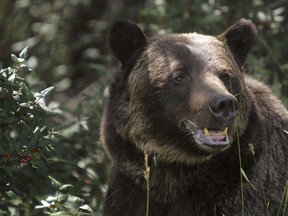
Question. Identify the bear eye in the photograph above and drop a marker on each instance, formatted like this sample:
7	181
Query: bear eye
225	78
181	77
230	82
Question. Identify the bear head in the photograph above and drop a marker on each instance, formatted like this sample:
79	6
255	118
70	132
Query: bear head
178	97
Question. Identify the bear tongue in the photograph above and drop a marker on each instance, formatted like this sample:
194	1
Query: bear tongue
218	138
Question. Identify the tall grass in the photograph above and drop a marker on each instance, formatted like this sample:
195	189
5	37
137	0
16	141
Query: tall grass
284	201
266	202
147	178
239	152
240	170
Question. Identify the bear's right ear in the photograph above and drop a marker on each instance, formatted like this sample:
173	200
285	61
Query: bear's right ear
125	38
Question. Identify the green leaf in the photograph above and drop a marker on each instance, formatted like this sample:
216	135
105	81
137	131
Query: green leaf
20	79
17	60
45	203
12	78
56	184
62	213
24	105
245	176
46	92
43	129
86	208
65	186
40	207
58	136
24	53
22	124
36	137
62	198
26	92
78	201
46	109
14	58
51	199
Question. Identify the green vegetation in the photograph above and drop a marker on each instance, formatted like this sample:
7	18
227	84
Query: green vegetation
52	95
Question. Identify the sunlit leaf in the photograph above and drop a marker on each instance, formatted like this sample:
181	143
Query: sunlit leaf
78	201
56	184
245	176
86	208
65	187
24	53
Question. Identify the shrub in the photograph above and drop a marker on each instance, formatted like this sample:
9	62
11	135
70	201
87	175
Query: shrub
30	131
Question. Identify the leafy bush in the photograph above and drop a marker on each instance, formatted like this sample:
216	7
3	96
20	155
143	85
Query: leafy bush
26	132
29	134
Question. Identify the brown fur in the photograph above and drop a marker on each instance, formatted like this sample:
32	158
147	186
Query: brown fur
165	81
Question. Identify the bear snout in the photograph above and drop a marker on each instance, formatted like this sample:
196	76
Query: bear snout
224	109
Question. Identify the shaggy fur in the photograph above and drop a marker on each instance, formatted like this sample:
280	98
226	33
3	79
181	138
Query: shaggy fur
170	88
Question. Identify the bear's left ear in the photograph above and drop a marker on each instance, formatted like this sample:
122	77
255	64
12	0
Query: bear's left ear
239	38
125	38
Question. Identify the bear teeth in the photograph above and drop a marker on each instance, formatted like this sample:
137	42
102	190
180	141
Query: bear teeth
210	132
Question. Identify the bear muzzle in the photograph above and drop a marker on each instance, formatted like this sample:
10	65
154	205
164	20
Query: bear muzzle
223	110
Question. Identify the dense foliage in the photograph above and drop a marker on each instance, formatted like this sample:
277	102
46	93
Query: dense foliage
51	160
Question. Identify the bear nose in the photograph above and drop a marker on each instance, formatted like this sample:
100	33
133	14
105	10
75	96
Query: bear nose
224	108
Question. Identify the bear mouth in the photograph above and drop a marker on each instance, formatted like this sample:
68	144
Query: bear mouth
213	138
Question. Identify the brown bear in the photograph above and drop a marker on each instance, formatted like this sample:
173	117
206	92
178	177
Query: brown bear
215	139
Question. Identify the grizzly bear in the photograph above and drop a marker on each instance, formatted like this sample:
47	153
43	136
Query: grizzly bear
188	132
